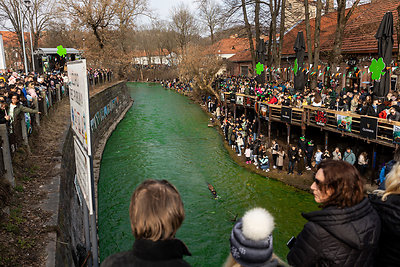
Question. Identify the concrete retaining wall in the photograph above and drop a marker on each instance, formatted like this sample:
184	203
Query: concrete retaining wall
107	108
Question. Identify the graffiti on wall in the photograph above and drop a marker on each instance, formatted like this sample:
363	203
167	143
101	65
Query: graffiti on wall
103	113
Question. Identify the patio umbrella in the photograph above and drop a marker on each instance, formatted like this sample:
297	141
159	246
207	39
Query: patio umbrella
261	59
299	48
385	49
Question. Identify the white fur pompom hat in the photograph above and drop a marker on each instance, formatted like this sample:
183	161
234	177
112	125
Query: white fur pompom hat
251	238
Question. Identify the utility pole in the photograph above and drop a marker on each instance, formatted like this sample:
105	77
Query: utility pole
28	5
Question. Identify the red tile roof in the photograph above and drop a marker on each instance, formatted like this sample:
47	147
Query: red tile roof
359	35
242	56
10	39
230	45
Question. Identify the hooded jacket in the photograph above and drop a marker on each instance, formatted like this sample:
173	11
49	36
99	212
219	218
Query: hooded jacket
338	237
389	242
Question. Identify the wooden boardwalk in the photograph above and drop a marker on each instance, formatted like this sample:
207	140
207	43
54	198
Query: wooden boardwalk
366	128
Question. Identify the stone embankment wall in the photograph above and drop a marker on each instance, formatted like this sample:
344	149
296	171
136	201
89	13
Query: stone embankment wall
107	108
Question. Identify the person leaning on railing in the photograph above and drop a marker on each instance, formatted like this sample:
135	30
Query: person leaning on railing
393	115
16	108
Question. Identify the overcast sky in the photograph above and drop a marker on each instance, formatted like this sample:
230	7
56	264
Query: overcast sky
163	7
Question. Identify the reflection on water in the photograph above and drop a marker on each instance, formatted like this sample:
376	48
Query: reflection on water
163	136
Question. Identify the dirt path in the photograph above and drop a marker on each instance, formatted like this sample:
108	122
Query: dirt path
23	234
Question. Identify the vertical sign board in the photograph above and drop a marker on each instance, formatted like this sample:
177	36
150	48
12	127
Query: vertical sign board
2	56
80	124
368	127
286	114
83	173
79	101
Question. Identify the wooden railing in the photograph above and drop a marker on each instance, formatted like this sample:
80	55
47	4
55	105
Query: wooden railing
306	116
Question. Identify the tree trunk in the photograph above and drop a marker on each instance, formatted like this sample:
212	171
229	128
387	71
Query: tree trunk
398	35
212	35
269	52
308	33
274	15
342	19
98	38
317	47
249	34
257	24
281	33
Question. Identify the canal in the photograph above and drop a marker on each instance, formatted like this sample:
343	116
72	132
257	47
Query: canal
165	136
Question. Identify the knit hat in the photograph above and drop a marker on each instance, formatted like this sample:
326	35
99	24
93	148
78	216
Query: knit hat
251	238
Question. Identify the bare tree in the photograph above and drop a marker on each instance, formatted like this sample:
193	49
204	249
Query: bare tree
274	7
308	32
249	33
184	24
317	45
95	15
210	12
40	15
342	19
281	32
14	15
200	66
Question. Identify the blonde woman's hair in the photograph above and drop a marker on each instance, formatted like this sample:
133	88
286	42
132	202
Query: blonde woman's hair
156	210
392	182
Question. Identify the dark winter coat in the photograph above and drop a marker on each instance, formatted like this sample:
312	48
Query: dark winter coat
2	116
368	110
310	151
292	154
389	242
301	166
147	253
338	237
303	145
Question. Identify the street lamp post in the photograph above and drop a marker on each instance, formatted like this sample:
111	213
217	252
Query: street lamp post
23	37
28	5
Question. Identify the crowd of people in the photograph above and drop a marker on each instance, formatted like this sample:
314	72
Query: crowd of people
242	135
99	76
351	229
18	93
354	99
179	86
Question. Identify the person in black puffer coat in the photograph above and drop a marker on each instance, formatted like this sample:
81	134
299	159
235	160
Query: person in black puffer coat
346	231
156	212
387	204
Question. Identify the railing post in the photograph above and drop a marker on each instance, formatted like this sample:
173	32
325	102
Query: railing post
326	139
50	96
9	174
58	88
37	115
24	131
43	93
288	133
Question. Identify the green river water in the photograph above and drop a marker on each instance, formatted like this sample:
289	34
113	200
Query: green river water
165	136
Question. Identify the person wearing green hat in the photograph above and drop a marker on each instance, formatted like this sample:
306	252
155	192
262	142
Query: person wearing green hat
309	153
